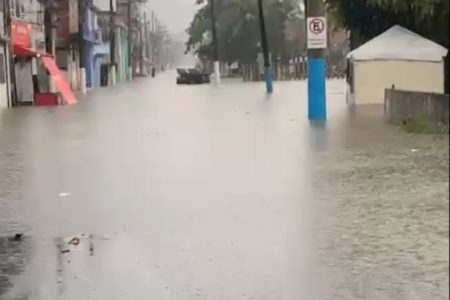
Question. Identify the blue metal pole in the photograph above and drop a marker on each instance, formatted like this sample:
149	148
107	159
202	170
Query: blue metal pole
317	30
265	49
317	99
269	80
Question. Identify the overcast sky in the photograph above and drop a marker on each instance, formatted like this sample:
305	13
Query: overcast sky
176	15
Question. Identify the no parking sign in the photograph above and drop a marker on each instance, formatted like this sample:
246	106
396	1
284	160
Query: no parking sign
317	32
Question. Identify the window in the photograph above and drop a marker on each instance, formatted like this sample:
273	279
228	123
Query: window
2	69
18	8
12	7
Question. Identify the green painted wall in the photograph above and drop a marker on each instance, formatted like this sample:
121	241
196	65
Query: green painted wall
122	54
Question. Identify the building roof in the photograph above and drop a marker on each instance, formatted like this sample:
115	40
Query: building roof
398	43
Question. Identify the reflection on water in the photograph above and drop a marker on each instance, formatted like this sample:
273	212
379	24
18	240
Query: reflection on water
194	172
13	253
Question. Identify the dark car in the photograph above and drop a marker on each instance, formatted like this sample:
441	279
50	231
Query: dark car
192	76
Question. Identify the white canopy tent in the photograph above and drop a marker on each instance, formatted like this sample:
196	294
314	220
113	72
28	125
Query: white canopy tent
397	57
399	43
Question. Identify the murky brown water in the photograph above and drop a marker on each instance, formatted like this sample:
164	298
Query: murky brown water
225	194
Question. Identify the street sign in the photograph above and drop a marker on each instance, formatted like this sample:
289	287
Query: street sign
317	32
21	34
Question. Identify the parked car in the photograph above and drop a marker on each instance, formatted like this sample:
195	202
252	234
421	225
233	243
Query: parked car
192	76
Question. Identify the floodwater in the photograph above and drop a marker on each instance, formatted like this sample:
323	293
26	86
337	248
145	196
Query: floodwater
198	192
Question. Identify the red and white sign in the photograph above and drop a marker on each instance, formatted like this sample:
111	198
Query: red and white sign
317	32
21	34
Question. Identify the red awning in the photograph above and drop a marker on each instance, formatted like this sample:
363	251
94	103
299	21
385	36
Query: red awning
60	81
28	52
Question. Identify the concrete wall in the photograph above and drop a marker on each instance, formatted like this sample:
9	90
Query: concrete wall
2	24
371	78
122	53
103	5
4	89
402	105
29	11
24	81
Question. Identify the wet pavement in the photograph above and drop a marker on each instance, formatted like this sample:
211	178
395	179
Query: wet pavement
197	192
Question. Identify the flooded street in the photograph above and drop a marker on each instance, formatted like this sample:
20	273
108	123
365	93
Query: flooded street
197	192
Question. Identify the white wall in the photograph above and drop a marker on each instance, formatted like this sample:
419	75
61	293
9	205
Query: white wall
24	81
28	11
4	85
103	5
371	78
2	26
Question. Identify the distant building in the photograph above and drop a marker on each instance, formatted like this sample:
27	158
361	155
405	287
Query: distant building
27	32
66	40
5	80
138	22
97	50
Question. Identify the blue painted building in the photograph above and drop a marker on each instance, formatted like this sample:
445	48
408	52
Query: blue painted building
96	51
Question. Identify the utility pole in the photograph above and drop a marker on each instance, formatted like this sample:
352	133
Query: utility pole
214	41
130	33
50	34
112	41
317	42
265	49
81	14
152	41
146	43
141	46
157	45
11	84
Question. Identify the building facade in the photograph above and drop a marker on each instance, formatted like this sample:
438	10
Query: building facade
5	54
122	57
94	43
27	31
63	40
135	17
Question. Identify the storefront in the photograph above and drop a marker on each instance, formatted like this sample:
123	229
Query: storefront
31	66
21	38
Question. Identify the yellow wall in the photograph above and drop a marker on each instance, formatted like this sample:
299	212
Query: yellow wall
373	77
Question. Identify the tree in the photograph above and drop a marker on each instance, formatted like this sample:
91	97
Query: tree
368	18
238	31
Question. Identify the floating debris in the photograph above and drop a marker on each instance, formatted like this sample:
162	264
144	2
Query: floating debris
17	237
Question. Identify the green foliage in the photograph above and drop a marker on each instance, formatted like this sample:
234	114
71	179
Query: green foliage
422	126
422	6
238	29
368	18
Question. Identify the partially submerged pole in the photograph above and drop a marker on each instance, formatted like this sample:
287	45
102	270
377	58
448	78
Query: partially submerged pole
215	45
317	43
265	48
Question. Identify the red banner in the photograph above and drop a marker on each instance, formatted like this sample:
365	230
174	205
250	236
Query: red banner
60	82
21	34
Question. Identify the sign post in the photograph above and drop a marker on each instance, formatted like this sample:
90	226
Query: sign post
215	43
265	49
317	33
317	43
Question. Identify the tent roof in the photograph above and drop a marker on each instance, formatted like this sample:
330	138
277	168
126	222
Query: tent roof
398	43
